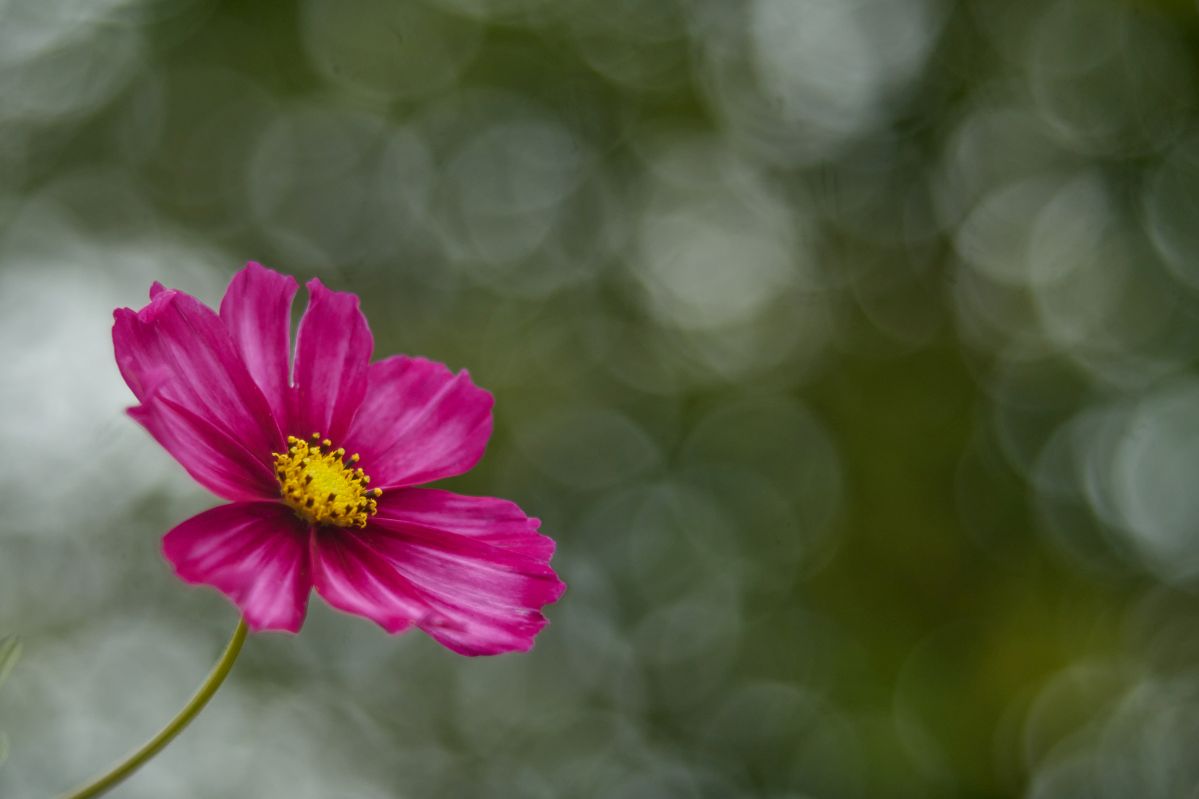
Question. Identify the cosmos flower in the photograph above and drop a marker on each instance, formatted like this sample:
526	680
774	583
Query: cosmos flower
320	457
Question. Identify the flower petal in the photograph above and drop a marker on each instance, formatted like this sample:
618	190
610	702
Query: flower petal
213	459
472	572
176	349
256	310
256	553
419	422
333	350
352	577
486	521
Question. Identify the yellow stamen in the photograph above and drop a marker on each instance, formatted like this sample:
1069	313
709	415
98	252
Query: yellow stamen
321	487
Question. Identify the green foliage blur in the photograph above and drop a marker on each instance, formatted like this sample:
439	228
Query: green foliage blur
846	347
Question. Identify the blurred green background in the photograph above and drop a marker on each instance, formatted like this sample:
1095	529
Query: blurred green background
846	347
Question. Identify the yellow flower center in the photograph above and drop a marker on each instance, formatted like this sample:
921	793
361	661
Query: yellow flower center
321	486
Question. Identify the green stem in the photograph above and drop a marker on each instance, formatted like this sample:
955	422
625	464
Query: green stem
182	719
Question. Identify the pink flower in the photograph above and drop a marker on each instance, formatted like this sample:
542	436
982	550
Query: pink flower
222	394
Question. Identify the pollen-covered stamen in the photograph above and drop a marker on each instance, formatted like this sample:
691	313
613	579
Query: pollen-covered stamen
323	486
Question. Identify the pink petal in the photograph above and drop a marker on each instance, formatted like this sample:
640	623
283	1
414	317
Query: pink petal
177	351
257	312
472	572
485	521
352	577
419	422
333	349
216	461
256	553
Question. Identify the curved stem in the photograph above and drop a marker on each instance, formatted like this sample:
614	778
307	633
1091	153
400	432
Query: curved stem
135	761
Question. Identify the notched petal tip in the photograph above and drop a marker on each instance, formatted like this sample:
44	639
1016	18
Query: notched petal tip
257	268
482	396
557	591
160	299
464	374
317	290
